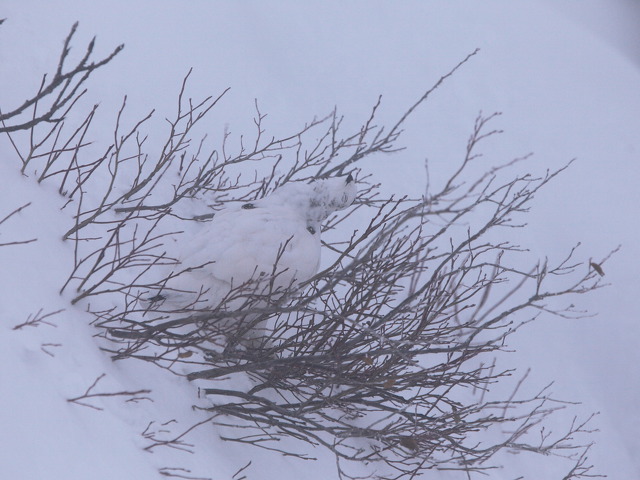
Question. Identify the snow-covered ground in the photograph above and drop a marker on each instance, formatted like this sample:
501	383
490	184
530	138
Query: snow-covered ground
565	91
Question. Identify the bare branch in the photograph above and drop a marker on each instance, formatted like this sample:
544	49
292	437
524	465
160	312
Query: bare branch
38	319
63	86
7	217
87	395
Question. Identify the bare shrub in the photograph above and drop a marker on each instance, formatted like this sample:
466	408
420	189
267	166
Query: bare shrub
377	357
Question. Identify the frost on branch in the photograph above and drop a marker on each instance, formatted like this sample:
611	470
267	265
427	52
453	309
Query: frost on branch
385	357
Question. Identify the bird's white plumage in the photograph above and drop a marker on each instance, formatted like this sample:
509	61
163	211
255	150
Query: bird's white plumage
248	243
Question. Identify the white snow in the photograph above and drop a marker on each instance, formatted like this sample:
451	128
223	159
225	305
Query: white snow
563	90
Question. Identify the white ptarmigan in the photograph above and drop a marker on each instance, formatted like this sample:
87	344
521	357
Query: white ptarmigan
274	242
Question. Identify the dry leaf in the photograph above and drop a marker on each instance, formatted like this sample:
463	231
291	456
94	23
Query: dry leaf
597	268
410	443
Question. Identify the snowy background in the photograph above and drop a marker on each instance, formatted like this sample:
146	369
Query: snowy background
566	78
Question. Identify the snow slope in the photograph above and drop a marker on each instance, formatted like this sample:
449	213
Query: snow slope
563	92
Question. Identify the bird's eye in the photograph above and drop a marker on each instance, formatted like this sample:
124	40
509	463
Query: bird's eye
311	230
248	206
349	179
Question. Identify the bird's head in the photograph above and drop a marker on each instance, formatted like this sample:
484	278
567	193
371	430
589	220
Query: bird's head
318	199
332	194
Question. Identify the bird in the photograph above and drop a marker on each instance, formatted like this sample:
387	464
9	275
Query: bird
264	247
